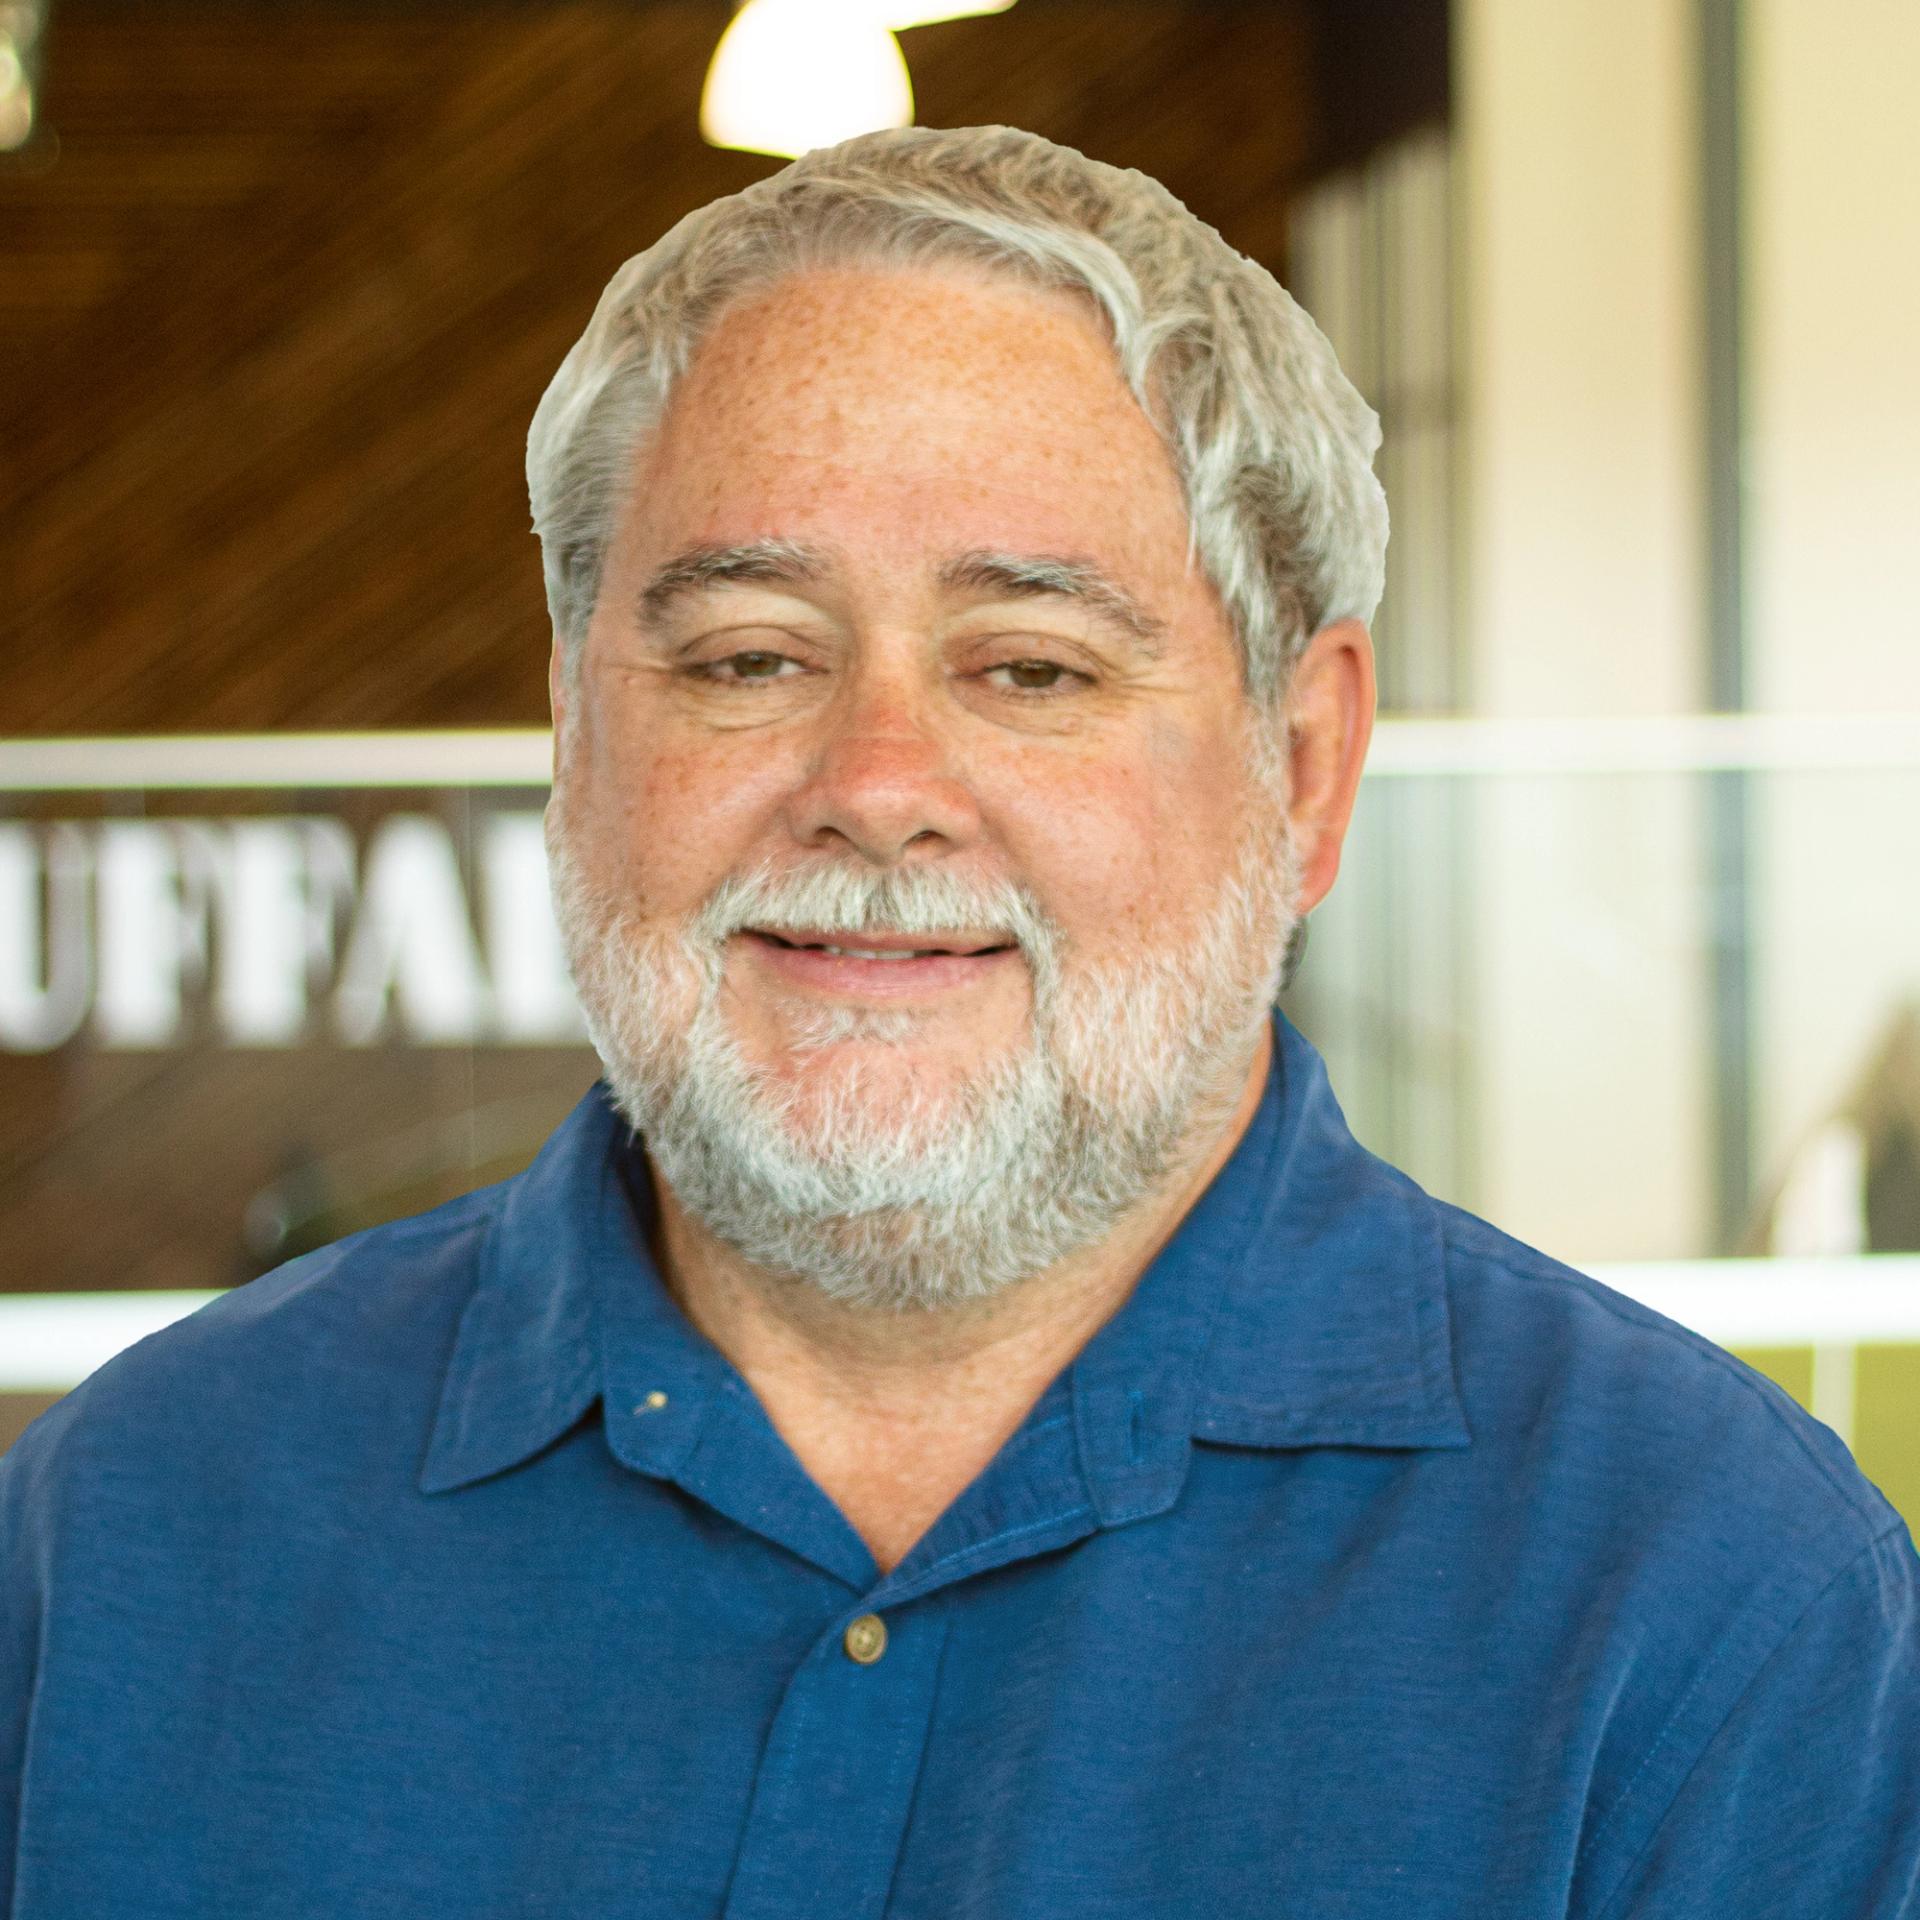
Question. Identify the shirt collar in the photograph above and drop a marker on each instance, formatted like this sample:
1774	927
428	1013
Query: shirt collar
1301	1302
525	1362
1333	1326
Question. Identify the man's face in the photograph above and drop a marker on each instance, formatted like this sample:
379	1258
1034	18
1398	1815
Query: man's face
901	600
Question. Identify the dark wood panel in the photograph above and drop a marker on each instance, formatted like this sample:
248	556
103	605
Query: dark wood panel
139	1171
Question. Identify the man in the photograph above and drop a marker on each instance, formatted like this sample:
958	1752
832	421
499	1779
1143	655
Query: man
955	1426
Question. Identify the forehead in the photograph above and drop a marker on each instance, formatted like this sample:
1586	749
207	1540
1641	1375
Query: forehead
925	404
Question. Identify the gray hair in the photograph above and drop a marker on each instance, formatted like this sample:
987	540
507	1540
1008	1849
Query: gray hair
1272	444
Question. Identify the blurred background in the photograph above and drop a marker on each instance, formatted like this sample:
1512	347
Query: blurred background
1626	952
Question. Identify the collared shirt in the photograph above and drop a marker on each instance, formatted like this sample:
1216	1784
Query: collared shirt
1364	1564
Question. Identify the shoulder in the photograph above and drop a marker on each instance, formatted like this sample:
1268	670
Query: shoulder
318	1356
1661	1436
1724	1568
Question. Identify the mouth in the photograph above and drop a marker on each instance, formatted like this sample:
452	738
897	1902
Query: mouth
889	965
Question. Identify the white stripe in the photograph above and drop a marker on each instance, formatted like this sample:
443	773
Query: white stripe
504	757
1872	1300
521	757
50	1341
1649	743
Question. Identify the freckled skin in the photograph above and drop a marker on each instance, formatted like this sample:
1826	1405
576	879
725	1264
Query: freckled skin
898	419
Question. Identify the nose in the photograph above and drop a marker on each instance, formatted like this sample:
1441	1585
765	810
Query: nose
880	779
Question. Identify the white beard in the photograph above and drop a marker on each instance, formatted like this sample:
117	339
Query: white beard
940	1195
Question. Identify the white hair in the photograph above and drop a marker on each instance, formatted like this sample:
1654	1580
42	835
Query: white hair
1272	444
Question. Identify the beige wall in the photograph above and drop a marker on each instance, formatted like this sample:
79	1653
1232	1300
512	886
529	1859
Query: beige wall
1577	209
1576	124
1833	324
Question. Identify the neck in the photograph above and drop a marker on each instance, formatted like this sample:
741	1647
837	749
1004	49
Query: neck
894	1412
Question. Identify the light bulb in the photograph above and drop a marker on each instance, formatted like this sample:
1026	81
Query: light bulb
791	75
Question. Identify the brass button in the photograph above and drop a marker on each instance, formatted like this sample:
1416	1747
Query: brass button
866	1639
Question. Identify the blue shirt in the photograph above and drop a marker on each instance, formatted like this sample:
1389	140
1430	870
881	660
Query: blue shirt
1366	1564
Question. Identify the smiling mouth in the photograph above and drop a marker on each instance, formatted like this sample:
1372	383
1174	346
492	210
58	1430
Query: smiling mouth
883	947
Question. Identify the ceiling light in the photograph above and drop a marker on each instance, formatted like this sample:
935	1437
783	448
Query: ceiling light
791	75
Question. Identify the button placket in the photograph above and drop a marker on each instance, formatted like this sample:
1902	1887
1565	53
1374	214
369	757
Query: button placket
838	1772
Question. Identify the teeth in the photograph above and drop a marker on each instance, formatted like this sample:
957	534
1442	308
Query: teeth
874	953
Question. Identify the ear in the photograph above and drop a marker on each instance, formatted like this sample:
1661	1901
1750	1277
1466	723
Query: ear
1330	701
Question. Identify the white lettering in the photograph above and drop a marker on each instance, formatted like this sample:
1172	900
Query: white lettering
270	932
284	885
412	947
46	963
153	888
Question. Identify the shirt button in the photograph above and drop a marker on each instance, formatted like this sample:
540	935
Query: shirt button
866	1639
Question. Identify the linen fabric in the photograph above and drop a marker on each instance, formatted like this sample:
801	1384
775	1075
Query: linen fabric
1367	1565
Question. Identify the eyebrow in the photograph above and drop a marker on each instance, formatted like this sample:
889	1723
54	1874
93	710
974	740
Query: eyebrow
752	561
1004	575
1030	576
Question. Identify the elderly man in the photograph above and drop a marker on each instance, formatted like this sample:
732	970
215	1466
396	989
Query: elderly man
954	1426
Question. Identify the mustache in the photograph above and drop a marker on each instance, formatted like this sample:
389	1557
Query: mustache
842	897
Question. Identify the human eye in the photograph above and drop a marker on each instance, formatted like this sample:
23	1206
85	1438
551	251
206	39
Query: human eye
751	667
1037	679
